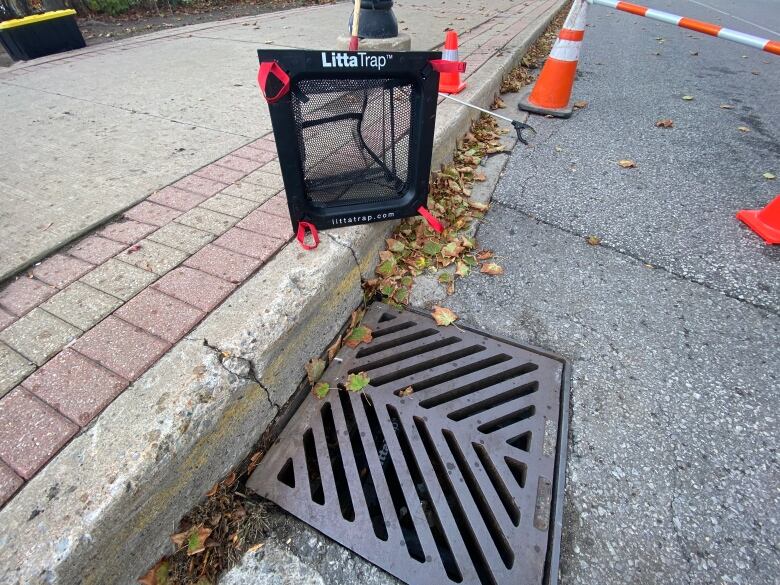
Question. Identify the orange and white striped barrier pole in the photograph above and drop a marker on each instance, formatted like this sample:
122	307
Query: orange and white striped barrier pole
551	94
707	28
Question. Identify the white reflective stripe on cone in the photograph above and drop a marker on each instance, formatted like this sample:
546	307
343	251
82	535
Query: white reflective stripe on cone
577	16
566	50
450	55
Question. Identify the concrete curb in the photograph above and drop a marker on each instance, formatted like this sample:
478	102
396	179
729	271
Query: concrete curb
103	510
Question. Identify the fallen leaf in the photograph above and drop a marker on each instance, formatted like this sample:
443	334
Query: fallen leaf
462	269
479	206
395	246
452	250
479	176
431	248
401	295
726	106
356	382
196	541
255	547
133	249
498	103
484	254
743	128
687	98
321	389
314	369
579	104
769	176
358	335
665	123
386	268
445	277
491	268
627	163
408	391
443	316
157	575
593	240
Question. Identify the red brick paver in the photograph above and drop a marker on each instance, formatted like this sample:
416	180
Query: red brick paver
95	249
255	154
31	432
75	386
152	213
262	222
277	205
194	287
127	232
224	175
176	198
121	347
160	314
225	264
60	270
238	163
199	185
6	319
24	294
249	243
265	143
9	483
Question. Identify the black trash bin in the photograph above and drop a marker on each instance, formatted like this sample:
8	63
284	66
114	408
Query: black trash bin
41	34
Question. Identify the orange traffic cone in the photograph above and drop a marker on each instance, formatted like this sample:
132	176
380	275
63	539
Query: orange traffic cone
765	222
552	92
451	82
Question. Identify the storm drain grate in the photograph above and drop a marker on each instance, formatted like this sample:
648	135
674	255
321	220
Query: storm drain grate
460	481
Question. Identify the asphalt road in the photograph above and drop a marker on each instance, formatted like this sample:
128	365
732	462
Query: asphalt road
672	322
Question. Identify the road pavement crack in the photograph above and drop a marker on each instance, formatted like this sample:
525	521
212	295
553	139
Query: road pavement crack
636	257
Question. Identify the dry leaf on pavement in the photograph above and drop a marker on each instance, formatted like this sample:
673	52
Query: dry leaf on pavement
687	98
408	391
321	389
743	128
443	316
665	123
579	104
356	382
627	163
491	268
769	176
593	240
726	107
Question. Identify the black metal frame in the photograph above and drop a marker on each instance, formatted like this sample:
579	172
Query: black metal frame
414	67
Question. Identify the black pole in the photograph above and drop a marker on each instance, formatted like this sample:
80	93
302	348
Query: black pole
377	20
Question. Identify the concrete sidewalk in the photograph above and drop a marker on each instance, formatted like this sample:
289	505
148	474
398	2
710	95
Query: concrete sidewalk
107	323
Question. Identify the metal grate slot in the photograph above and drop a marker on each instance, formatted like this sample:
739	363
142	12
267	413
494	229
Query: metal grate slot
494	401
428	505
339	474
366	481
411	540
377	347
444	485
498	484
477	385
427	365
494	528
398	357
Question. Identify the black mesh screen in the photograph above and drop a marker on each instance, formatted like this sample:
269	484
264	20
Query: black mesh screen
353	138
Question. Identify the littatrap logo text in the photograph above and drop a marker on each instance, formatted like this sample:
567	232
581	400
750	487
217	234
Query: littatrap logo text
354	60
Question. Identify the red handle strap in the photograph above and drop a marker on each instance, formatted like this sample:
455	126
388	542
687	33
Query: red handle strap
432	221
445	66
268	68
302	227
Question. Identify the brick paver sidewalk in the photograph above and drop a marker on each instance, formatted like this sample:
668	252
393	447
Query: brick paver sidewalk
79	327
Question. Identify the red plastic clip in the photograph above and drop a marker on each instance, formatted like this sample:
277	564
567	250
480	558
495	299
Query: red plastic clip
302	227
446	66
273	91
432	221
